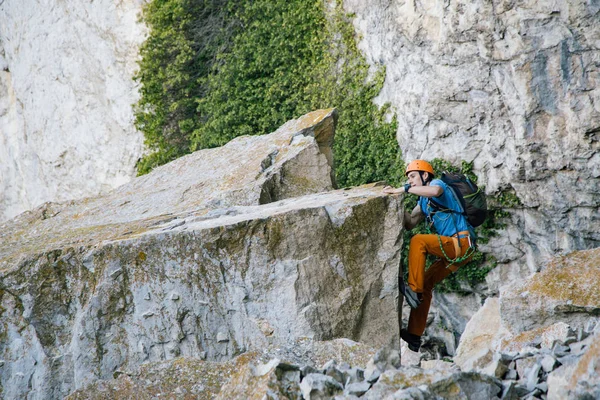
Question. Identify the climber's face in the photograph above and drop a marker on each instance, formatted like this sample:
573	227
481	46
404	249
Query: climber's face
414	178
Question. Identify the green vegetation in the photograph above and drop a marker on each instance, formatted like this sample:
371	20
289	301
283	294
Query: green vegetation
214	70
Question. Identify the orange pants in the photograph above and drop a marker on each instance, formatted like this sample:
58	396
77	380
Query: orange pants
422	281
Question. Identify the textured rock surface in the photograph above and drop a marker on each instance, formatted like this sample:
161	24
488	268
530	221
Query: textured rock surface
511	86
579	378
541	336
565	291
478	342
169	266
250	374
66	90
417	383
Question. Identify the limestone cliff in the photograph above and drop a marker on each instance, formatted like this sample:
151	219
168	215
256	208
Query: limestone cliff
66	90
510	86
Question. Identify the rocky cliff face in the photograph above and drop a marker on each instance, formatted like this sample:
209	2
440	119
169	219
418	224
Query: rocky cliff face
512	87
217	253
66	122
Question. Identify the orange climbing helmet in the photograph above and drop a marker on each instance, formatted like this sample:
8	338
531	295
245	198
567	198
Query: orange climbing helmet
419	165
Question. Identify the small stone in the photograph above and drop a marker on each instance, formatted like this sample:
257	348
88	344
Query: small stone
222	337
318	386
569	358
511	374
560	350
115	274
374	376
577	348
387	358
307	369
147	296
536	394
264	369
287	367
508	357
548	363
508	391
524	365
344	366
328	364
202	355
570	340
497	367
355	375
521	390
543	387
532	376
336	374
148	314
174	297
590	325
526	352
1	363
357	388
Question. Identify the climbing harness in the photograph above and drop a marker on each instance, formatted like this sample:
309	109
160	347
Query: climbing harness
472	245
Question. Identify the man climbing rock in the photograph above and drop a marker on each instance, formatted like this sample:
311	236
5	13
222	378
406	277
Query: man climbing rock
453	243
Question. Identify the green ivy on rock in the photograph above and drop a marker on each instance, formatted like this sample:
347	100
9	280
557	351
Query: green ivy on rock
260	64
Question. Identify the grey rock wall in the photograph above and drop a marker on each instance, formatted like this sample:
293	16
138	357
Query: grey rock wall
66	95
512	87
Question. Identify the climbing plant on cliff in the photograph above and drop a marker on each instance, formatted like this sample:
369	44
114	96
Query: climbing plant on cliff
185	39
262	63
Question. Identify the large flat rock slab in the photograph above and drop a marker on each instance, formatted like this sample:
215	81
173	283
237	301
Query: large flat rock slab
293	161
163	268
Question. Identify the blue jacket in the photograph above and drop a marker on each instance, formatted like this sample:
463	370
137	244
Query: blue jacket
446	223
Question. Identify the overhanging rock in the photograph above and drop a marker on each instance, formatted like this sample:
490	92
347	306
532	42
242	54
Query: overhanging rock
99	286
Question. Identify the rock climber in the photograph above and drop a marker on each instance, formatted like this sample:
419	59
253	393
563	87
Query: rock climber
453	243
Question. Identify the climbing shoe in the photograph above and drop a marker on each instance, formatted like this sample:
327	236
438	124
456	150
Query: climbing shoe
413	341
413	299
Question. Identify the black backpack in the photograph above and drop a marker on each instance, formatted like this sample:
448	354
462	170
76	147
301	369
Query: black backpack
470	197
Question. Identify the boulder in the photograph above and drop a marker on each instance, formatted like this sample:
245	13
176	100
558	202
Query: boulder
476	350
564	291
198	259
248	171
